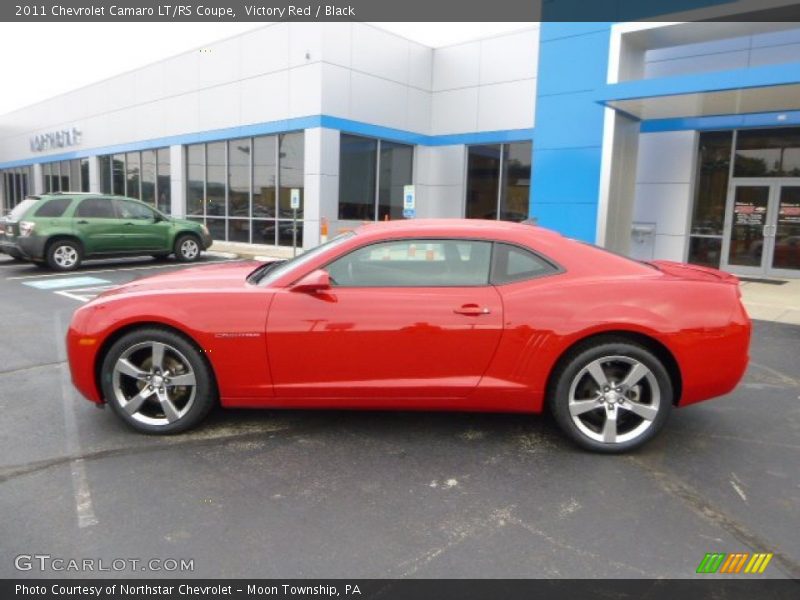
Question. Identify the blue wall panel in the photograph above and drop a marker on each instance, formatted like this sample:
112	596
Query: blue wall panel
573	65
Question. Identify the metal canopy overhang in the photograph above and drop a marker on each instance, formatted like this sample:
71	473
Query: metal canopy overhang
769	89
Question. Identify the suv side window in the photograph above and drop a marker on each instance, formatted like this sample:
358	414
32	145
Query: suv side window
414	263
133	210
53	208
512	263
95	208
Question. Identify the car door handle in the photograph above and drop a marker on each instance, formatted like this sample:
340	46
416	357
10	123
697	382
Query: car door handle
472	310
82	222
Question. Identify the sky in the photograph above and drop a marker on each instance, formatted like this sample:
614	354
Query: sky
40	61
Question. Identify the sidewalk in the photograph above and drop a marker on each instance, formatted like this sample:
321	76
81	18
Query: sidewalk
253	251
769	302
764	301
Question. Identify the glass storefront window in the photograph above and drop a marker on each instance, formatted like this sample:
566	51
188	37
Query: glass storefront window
15	185
215	181
711	194
148	177
239	152
232	184
357	174
118	174
515	191
164	180
372	174
290	175
498	181
84	168
264	178
196	177
104	164
133	170
768	153
396	164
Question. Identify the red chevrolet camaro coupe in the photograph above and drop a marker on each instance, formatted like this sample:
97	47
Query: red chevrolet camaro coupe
421	314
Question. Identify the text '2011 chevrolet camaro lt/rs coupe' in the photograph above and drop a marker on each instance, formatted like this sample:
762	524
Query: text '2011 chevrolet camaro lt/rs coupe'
421	315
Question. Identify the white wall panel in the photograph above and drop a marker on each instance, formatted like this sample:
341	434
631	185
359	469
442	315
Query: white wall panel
665	204
506	105
265	50
456	66
380	53
455	111
265	98
667	157
378	101
509	57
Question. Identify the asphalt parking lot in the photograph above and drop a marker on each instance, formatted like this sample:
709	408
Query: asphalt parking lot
346	494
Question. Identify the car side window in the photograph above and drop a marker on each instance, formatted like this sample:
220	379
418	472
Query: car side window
133	210
53	208
512	263
414	263
95	208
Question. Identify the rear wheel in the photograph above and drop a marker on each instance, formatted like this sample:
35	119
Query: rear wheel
64	255
612	396
187	248
157	382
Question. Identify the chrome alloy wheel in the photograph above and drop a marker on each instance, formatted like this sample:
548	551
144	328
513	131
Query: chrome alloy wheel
65	256
154	383
614	399
189	249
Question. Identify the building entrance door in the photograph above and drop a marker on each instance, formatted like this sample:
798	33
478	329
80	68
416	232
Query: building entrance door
762	228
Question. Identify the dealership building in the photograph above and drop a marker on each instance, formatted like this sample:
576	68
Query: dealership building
661	140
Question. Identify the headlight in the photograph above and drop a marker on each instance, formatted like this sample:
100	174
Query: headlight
26	228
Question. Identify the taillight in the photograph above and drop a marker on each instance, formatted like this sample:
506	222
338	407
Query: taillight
26	228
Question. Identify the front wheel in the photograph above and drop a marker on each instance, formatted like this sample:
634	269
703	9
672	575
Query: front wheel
157	382
187	248
612	396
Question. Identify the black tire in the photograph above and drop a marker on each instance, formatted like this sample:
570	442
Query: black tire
639	411
64	255
187	248
120	390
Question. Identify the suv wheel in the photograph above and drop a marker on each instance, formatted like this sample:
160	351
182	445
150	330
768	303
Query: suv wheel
64	255
187	248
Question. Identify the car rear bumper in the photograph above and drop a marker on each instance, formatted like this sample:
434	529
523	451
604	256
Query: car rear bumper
11	249
715	365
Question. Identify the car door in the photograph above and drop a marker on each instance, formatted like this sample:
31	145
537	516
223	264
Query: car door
96	224
404	321
140	228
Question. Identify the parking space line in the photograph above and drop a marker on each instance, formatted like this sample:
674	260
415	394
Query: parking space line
84	507
63	282
113	270
85	294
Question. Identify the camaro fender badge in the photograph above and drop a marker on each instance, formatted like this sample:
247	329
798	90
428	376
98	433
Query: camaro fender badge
238	334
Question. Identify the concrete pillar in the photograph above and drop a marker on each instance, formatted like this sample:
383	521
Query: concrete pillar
37	185
177	172
617	181
95	179
321	180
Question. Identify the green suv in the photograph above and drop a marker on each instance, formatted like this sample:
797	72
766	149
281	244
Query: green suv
62	229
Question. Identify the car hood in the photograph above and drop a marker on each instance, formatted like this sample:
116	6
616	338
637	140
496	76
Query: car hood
216	277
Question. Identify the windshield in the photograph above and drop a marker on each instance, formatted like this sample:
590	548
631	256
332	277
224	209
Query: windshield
273	274
20	209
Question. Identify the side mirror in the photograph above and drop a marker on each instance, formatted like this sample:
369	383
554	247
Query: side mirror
316	281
